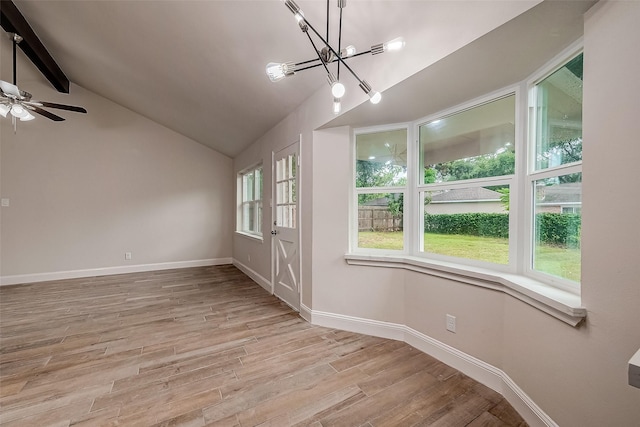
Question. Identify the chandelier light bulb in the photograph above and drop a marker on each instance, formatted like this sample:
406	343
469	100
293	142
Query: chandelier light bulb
348	51
395	44
338	90
337	107
278	71
374	97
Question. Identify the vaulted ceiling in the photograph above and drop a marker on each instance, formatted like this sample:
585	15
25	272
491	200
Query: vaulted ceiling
197	67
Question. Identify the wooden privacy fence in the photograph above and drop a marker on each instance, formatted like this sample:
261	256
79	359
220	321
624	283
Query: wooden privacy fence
377	218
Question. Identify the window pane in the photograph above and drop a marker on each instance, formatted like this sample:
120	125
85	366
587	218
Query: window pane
248	187
247	217
381	159
475	143
258	179
558	223
558	112
258	224
380	219
470	223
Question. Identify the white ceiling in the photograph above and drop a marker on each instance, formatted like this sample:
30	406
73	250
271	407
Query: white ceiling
197	67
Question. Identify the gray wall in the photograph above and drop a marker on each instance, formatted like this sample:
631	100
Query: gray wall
84	191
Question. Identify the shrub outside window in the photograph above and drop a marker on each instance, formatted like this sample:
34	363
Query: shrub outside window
250	206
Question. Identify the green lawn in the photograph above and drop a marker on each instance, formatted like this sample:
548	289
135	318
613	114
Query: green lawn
562	262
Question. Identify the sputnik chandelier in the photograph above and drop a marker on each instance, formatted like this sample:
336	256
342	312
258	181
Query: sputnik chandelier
327	55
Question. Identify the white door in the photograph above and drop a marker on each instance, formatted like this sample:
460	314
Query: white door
286	226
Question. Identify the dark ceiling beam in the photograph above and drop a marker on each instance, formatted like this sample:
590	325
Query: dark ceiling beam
13	22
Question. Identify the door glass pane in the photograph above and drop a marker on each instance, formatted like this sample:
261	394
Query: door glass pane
558	224
474	143
380	218
558	112
280	165
381	159
293	166
292	216
470	223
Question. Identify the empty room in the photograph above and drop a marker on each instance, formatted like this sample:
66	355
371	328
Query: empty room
319	213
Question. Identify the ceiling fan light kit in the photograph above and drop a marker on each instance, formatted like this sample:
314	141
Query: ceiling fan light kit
328	55
18	103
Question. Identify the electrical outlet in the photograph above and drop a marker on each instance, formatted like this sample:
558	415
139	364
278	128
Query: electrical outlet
5	203
249	258
451	323
127	255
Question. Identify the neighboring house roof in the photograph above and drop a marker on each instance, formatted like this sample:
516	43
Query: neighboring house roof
559	194
474	194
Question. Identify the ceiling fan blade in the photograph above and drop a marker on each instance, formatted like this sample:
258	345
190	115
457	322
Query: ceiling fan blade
62	106
10	89
45	113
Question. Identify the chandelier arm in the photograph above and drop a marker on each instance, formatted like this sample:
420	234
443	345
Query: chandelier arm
339	40
306	62
328	22
317	52
339	58
308	67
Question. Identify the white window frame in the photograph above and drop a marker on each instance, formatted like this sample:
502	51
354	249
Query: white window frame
256	202
534	175
510	180
380	190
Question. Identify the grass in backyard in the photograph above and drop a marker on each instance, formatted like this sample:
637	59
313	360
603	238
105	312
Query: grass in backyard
558	261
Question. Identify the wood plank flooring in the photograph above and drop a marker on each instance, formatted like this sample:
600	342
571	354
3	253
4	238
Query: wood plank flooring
208	347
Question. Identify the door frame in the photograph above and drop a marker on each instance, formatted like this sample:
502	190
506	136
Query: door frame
274	205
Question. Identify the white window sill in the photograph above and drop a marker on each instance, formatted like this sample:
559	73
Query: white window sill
255	237
558	303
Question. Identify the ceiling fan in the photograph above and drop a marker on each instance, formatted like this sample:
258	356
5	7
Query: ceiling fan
19	104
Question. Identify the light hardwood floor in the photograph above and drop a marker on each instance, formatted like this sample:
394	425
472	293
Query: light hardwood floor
207	346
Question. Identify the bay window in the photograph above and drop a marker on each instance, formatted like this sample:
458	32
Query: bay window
479	187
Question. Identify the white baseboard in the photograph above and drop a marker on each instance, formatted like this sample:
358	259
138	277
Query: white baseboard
376	328
305	312
255	276
477	369
107	271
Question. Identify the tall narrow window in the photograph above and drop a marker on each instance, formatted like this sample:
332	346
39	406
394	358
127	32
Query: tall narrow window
467	164
555	178
380	184
250	206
